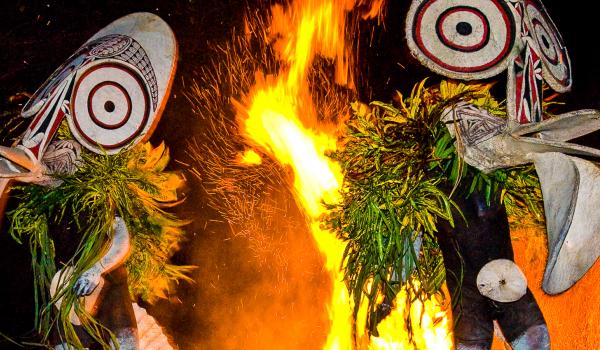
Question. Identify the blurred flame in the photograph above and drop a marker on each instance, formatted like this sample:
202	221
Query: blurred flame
278	116
429	320
272	123
308	27
249	157
271	120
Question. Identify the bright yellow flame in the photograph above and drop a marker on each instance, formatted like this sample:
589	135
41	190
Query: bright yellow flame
429	320
249	157
273	124
280	119
309	27
306	28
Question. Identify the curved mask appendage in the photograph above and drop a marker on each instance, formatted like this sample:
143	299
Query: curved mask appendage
15	162
486	142
571	194
542	57
563	127
570	185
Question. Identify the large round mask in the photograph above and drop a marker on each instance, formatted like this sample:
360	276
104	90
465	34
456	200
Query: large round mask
112	90
110	106
463	39
557	66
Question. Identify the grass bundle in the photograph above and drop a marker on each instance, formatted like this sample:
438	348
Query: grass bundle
400	170
132	185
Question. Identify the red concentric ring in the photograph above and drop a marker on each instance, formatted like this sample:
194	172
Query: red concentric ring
465	39
96	119
485	37
88	126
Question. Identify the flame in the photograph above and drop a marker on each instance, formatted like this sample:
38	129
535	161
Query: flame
272	123
308	27
428	318
249	157
279	117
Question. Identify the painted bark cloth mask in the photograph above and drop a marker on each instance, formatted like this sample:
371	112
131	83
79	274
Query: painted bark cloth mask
477	40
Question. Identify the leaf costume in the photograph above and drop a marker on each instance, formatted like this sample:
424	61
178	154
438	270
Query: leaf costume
132	185
402	175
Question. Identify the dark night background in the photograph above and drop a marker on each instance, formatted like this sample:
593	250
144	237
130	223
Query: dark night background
37	36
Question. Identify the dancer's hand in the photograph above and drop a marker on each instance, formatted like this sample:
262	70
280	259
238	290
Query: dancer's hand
88	282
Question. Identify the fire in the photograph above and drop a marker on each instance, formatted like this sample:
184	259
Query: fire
249	157
272	123
428	318
312	27
280	118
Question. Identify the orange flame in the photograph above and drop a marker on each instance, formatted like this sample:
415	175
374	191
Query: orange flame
273	124
309	27
429	319
272	121
280	118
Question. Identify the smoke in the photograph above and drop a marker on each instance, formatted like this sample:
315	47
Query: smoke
262	285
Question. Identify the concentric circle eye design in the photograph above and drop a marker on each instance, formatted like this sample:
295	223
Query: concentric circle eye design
110	107
557	67
463	28
465	39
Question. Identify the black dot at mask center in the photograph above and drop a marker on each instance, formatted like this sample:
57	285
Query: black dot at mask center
109	106
545	41
464	28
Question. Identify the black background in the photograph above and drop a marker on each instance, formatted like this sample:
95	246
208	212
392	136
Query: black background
37	36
